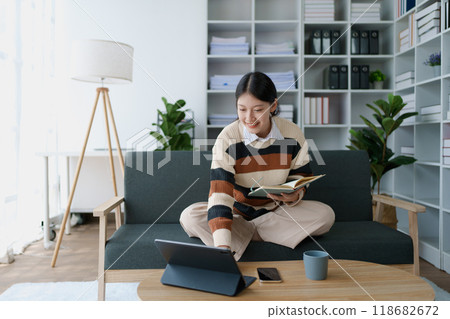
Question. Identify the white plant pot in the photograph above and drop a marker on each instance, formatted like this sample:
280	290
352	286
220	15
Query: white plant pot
378	85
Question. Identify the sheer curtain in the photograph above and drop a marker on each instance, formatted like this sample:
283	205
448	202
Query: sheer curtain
27	119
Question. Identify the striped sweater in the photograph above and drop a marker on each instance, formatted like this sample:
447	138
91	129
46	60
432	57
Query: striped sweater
237	167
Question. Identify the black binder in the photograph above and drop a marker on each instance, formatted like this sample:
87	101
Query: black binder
343	77
336	45
316	42
199	267
374	42
364	76
355	42
364	42
355	77
333	77
326	42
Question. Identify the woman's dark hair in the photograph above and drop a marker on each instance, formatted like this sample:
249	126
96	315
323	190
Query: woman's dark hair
260	86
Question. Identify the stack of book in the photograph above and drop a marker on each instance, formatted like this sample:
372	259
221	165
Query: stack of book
404	80
224	82
407	150
430	113
286	111
221	119
406	36
428	21
319	10
404	6
446	15
281	48
366	12
283	80
446	151
410	106
229	46
316	110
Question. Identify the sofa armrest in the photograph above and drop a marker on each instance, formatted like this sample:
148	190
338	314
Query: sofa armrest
107	206
413	210
410	207
102	212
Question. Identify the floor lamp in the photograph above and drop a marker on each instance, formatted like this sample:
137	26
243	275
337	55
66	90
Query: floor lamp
105	62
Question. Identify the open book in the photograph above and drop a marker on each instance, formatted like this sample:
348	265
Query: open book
288	187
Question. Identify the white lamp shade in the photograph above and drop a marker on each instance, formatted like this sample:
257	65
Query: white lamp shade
102	61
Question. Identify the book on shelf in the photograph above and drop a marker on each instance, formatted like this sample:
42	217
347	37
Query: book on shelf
446	15
427	10
365	12
287	188
404	6
404	84
306	110
408	98
317	110
429	34
403	34
433	15
446	142
229	46
326	110
319	10
224	82
221	119
423	30
404	76
407	150
404	41
277	48
286	111
430	117
432	19
432	109
313	111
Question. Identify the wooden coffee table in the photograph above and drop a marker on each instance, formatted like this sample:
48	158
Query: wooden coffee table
347	280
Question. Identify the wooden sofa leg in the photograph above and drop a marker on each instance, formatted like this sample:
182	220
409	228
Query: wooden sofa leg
101	288
101	258
414	234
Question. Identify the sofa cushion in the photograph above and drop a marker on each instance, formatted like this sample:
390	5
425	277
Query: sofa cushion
158	188
346	186
132	245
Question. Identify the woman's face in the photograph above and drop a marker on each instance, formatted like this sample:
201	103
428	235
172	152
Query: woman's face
255	114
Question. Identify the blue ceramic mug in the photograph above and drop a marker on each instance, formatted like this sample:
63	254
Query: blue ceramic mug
316	264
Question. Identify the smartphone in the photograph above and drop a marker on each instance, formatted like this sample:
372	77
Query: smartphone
268	275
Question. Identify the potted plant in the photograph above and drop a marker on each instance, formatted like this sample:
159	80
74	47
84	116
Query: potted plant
171	133
434	60
374	139
377	78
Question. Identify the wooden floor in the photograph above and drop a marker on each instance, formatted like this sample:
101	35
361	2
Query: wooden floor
77	261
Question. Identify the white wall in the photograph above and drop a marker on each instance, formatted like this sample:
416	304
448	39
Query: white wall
169	40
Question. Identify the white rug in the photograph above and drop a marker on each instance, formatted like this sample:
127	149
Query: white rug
86	291
69	291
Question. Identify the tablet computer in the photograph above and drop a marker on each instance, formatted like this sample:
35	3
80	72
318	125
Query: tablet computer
200	267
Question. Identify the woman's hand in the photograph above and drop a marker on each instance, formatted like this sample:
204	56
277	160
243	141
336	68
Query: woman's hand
288	197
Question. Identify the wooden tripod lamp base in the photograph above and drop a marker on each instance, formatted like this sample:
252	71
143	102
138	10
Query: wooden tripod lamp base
107	110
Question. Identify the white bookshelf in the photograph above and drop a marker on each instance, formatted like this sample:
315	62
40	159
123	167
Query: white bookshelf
273	21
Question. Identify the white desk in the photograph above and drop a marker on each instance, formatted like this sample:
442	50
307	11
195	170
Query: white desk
74	155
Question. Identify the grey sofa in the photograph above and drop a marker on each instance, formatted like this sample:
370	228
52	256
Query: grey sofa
154	198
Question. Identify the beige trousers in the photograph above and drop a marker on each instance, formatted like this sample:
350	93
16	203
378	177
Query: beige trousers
286	226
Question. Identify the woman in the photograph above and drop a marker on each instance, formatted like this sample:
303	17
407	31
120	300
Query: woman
259	148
